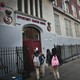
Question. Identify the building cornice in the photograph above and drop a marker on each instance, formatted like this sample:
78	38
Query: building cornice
55	8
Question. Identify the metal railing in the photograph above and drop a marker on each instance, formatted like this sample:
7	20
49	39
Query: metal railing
11	60
68	52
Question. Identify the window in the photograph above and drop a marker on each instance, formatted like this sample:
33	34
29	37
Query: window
74	11
40	2
31	34
68	28
35	35
31	7
67	6
26	6
77	30
57	24
19	3
36	7
26	34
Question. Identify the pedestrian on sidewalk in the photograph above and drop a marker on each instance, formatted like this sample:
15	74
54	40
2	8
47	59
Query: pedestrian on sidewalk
36	62
55	64
48	58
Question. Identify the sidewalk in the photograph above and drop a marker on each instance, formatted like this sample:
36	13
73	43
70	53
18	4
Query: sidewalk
68	71
48	75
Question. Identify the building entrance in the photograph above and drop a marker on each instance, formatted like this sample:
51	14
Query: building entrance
31	40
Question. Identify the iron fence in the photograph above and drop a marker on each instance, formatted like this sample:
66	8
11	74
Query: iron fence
11	60
68	52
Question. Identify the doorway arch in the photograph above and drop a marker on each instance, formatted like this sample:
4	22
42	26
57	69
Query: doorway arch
31	40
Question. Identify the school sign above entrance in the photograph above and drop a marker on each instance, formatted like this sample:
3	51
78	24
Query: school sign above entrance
30	20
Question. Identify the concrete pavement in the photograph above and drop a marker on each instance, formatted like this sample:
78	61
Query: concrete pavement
68	71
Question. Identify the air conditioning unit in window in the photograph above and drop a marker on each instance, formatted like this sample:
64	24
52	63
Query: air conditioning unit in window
67	1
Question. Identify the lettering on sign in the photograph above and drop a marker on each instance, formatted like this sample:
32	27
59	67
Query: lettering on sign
31	20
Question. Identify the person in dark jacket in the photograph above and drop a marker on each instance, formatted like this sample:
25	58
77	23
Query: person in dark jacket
48	57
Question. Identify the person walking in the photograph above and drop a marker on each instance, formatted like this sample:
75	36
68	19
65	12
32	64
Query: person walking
55	64
36	63
48	57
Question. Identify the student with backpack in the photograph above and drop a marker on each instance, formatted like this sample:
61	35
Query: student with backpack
55	64
36	63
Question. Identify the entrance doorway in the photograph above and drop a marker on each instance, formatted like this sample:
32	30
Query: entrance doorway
31	40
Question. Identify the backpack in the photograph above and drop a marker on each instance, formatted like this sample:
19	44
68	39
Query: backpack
54	61
41	58
36	61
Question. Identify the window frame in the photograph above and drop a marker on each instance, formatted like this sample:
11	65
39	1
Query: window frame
77	30
57	26
68	28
